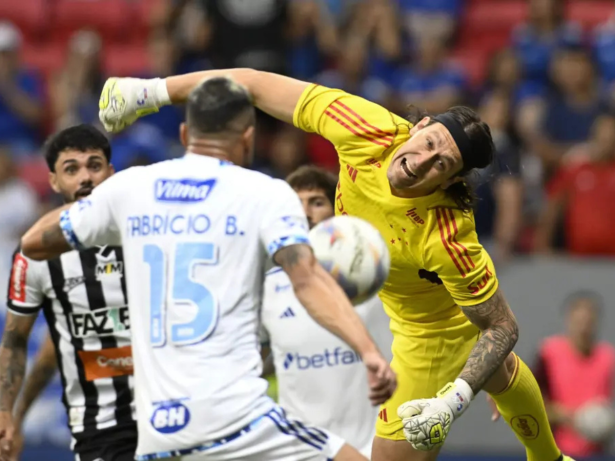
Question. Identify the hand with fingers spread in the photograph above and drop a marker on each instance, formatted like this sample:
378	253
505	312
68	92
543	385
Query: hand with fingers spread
381	378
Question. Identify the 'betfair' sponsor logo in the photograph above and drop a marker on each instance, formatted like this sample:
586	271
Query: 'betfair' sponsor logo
328	358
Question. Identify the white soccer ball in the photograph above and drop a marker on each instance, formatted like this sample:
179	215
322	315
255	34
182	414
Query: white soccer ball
354	253
595	422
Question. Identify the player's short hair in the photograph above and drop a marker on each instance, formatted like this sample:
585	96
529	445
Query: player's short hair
309	177
81	138
482	149
572	300
219	105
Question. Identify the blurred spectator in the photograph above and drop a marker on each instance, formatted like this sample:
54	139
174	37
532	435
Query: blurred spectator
500	191
545	31
604	51
313	34
505	73
352	74
240	33
583	192
74	90
18	210
433	18
21	97
287	151
430	82
163	60
574	370
570	110
139	145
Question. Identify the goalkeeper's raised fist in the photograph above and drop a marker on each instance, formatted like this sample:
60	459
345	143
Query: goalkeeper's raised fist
124	100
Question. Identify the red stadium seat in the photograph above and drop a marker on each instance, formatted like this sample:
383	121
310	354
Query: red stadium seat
590	13
498	16
31	16
46	58
125	60
110	18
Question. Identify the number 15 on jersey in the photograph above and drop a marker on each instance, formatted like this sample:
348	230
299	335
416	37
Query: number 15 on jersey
187	293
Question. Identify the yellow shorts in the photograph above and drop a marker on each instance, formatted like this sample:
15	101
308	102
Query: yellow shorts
424	364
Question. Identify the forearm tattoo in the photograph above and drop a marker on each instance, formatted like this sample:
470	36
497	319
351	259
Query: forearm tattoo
499	335
13	353
292	255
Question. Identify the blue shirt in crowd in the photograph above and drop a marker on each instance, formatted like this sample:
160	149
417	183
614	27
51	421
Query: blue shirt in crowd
20	136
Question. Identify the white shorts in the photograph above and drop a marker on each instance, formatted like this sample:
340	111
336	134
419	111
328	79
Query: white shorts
273	436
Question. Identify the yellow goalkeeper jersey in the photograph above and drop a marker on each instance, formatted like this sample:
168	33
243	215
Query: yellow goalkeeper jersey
437	263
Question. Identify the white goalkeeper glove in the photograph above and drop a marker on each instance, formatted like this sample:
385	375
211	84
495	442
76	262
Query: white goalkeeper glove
124	100
427	421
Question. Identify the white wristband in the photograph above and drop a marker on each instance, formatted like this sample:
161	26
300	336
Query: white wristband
162	94
458	396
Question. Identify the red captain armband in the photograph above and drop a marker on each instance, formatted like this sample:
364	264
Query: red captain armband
17	288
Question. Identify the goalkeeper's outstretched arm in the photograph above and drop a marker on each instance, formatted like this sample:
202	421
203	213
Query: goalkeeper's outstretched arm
124	100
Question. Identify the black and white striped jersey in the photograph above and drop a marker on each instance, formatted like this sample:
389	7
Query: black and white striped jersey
83	297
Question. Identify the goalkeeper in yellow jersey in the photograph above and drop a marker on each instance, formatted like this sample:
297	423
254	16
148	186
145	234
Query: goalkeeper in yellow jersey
453	330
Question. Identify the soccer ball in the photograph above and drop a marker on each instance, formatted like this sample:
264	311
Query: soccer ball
354	253
595	422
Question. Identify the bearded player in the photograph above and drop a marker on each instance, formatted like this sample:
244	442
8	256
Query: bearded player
453	329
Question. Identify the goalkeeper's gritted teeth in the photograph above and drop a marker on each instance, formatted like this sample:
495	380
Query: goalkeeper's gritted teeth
404	167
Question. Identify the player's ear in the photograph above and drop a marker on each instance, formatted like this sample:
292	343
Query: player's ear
183	134
53	182
248	138
419	126
111	169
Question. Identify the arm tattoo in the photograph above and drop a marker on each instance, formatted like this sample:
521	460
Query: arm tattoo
13	353
291	256
499	335
53	237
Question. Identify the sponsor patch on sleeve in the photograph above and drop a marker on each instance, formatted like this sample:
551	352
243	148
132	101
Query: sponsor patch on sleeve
17	290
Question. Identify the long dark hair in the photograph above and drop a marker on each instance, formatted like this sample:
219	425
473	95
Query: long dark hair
462	192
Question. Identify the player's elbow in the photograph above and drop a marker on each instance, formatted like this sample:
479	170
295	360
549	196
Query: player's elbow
31	248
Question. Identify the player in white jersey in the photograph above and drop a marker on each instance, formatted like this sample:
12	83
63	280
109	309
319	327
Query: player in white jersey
197	233
320	379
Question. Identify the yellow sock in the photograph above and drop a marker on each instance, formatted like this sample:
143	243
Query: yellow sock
522	407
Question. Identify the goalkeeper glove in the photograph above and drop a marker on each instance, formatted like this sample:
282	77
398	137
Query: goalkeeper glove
124	100
427	422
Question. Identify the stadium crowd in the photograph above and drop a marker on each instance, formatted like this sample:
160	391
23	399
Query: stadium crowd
546	88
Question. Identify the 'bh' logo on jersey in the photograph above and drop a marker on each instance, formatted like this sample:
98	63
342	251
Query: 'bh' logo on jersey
183	190
170	417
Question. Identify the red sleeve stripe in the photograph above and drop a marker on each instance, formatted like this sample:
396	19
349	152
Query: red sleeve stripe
452	236
353	131
372	129
373	132
459	244
445	241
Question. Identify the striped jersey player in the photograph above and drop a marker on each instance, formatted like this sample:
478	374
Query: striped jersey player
83	297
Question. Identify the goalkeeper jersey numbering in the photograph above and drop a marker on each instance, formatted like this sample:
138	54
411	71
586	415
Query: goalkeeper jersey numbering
437	263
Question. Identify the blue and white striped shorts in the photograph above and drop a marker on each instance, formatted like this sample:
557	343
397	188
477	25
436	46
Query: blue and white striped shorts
273	436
